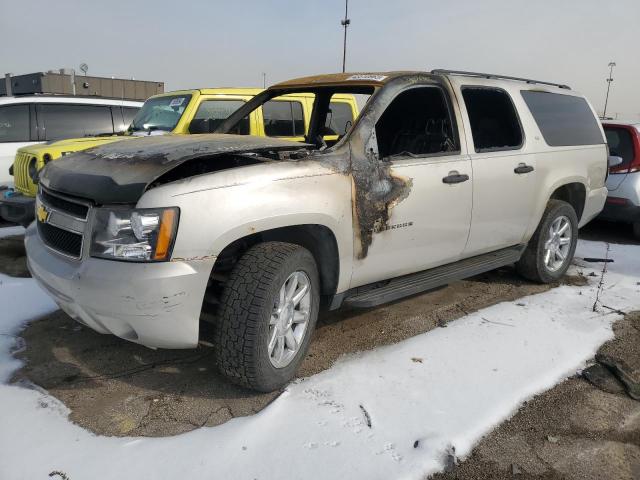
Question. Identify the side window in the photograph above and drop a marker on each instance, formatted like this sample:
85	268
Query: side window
283	118
339	118
211	113
563	120
14	123
620	144
494	121
417	122
69	121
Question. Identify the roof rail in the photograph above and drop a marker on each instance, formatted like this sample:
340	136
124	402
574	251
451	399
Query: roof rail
441	71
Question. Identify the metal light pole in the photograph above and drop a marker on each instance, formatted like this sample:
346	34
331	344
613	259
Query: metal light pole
609	80
264	80
345	23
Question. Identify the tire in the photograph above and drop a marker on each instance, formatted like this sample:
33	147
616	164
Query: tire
248	307
636	230
532	265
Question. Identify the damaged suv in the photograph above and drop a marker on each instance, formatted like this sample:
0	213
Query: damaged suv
238	241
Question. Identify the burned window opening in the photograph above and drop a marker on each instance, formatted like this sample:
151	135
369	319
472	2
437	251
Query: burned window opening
417	122
494	121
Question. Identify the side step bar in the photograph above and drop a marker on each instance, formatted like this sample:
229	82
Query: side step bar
433	278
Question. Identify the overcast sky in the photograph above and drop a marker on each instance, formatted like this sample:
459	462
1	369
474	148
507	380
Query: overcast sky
211	43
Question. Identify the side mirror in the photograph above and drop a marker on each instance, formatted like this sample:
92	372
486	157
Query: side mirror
614	160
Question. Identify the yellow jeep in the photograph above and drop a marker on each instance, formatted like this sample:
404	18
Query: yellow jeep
180	112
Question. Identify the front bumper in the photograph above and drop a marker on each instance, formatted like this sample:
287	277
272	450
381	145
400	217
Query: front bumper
17	208
156	305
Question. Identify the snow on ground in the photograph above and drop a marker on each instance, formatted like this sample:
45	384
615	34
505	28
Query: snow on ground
423	397
9	231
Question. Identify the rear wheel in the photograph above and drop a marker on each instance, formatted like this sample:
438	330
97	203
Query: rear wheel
268	312
636	230
550	250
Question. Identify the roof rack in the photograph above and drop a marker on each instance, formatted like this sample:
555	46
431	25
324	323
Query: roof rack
441	71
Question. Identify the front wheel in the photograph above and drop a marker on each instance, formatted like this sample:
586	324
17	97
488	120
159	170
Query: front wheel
268	312
636	230
551	248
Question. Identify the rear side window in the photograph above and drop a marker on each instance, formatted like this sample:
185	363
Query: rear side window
14	123
69	121
283	119
620	144
339	118
211	113
494	121
563	120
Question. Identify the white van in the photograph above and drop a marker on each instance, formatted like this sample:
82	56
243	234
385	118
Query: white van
29	119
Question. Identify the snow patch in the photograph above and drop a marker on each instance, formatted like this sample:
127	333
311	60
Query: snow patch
11	231
473	374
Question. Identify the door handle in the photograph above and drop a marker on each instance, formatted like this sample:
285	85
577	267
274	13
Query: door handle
455	177
523	168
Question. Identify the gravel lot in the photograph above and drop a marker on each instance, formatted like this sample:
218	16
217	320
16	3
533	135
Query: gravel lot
114	387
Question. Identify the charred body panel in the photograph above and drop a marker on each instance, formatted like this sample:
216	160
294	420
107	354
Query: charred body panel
376	188
122	171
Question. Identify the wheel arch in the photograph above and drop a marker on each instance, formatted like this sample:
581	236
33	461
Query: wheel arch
319	239
574	193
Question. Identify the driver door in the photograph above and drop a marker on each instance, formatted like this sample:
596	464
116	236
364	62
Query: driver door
417	137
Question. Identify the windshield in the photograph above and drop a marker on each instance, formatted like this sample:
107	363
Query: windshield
160	113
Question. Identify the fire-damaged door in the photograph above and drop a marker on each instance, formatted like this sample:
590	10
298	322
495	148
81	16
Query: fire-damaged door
417	141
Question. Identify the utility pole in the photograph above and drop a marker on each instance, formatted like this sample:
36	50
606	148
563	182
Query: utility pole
345	23
264	80
609	80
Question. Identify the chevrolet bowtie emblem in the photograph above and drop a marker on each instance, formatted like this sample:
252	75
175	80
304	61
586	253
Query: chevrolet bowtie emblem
42	213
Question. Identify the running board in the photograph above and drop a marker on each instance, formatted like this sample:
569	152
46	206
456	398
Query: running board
414	283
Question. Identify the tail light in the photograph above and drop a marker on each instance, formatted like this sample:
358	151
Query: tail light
634	164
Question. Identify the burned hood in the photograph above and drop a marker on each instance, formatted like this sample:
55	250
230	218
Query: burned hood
120	172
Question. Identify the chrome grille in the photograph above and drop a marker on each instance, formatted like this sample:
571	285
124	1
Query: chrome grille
62	222
65	242
78	210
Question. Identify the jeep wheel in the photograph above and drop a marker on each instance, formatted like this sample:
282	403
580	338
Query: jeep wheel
268	312
550	250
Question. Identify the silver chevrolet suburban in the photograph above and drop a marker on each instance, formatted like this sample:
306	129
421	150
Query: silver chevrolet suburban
237	241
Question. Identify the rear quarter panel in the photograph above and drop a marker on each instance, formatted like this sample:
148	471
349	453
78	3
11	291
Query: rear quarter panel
558	166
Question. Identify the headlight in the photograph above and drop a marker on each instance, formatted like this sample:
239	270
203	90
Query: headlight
140	235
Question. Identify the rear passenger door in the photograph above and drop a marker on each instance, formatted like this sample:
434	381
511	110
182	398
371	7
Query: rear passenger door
504	171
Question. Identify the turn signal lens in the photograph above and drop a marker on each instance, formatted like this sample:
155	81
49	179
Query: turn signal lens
165	235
